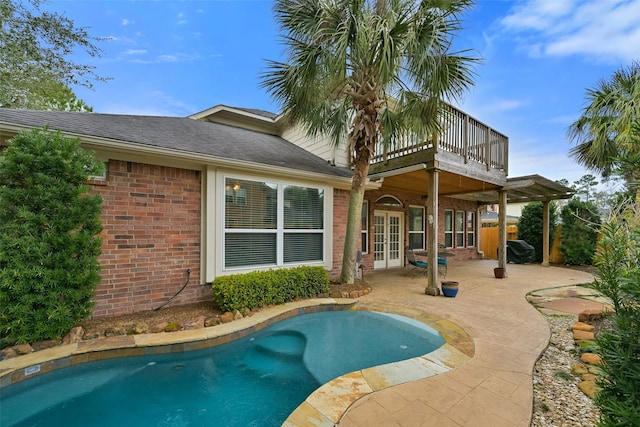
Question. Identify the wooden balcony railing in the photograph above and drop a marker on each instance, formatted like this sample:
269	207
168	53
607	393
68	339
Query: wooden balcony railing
461	134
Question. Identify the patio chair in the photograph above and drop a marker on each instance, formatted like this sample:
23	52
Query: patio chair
417	265
442	262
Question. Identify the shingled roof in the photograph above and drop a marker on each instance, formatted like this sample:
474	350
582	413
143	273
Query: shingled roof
177	133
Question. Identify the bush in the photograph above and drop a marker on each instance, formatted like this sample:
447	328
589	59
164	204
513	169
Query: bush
260	288
530	226
48	236
579	232
618	277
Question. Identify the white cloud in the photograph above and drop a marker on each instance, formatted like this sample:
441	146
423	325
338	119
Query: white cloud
606	30
182	18
126	22
135	52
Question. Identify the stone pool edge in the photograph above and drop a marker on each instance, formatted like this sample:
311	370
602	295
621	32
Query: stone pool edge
326	406
27	366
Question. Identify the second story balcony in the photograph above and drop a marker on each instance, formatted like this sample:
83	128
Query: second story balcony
465	146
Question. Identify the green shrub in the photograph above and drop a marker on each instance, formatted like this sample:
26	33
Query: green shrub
530	225
618	277
260	288
48	236
579	232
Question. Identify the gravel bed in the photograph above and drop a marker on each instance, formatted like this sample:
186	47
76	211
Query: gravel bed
557	401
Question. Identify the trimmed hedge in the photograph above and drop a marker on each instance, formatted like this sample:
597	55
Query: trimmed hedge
260	288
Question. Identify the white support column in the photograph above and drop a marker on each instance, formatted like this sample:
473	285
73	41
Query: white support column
432	235
545	233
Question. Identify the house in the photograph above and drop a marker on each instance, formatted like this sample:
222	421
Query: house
230	190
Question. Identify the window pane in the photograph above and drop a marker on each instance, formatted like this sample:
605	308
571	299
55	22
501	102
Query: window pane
247	249
448	220
416	219
303	208
250	204
448	240
299	247
471	226
364	244
416	241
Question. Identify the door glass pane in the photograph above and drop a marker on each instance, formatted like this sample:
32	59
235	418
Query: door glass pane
378	237
394	237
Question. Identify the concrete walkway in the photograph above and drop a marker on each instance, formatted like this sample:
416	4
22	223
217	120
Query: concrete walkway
494	388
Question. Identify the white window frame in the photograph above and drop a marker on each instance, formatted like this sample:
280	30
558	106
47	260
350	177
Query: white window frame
420	232
471	228
364	232
460	229
449	232
280	230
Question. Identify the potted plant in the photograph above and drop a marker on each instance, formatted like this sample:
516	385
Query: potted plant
449	288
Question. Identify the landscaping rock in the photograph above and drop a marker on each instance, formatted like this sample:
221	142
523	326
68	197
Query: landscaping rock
589	315
583	335
173	327
8	353
591	358
197	323
158	327
212	321
42	345
226	317
581	326
22	349
589	388
75	335
138	328
579	369
237	315
115	331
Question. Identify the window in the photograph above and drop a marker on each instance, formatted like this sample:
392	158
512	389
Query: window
365	228
471	229
448	229
416	227
460	229
271	224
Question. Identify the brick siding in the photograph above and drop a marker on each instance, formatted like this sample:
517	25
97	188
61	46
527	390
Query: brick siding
151	218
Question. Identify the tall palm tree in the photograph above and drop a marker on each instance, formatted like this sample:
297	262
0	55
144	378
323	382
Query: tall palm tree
606	134
367	69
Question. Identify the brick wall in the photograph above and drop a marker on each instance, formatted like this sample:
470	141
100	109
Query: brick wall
151	217
340	211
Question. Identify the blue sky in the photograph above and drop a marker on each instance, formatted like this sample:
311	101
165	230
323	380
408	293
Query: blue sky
176	58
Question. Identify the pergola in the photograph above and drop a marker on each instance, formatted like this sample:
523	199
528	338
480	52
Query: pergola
523	189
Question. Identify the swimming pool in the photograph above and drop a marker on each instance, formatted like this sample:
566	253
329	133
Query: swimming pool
253	381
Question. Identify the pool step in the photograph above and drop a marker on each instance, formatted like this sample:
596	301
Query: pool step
277	354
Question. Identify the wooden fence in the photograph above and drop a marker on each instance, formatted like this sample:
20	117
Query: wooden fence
489	242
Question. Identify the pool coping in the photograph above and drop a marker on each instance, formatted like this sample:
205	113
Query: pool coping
323	407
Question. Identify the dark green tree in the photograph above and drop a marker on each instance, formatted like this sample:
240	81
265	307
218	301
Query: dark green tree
580	225
35	49
586	187
618	277
49	241
530	225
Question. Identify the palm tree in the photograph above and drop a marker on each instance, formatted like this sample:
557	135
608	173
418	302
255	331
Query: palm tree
367	69
606	135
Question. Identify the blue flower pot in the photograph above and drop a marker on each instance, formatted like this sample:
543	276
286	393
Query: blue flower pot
449	289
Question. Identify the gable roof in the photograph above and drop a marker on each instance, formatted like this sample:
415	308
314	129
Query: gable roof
176	133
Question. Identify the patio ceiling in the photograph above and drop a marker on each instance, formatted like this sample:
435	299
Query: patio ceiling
523	189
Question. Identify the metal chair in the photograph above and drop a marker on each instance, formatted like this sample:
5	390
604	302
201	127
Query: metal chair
417	265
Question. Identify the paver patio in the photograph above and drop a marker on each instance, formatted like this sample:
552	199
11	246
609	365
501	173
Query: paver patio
494	388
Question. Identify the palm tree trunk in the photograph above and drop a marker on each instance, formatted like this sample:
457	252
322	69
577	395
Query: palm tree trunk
354	219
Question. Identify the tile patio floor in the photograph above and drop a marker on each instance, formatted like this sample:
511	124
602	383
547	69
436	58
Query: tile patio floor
494	388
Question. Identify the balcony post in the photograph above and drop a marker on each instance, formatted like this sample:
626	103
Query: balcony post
432	234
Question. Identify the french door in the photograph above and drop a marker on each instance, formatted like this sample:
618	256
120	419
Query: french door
388	233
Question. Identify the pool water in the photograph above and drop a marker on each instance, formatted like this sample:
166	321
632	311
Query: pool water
257	380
